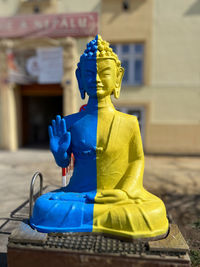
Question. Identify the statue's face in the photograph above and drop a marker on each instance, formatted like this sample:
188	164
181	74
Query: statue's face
106	77
99	77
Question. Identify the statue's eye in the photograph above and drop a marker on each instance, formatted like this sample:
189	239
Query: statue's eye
105	74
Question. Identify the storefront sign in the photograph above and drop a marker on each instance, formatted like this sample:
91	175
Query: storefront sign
59	25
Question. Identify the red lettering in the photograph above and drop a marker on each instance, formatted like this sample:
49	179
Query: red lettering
64	23
82	22
72	23
55	22
38	24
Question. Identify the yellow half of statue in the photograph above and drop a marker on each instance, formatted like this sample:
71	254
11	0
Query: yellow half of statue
122	206
106	189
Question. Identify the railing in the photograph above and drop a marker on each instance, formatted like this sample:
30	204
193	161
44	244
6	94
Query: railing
32	191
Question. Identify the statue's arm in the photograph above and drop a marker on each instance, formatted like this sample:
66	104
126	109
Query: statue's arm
132	180
60	140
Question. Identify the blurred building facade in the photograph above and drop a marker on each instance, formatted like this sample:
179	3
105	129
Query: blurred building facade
158	43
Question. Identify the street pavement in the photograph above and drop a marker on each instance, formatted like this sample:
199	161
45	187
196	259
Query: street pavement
175	179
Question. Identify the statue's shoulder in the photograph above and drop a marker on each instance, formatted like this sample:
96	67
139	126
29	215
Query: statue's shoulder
128	122
127	117
72	118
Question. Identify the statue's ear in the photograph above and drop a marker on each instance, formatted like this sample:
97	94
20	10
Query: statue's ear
80	83
120	74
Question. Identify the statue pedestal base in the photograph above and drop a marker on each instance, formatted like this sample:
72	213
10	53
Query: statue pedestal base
27	247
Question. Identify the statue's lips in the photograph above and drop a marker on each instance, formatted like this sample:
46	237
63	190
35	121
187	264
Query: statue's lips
96	87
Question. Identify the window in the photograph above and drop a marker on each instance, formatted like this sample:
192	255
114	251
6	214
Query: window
132	60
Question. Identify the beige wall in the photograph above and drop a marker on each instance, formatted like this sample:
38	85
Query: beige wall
61	6
175	116
9	8
132	25
45	7
12	7
78	6
173	139
176	61
176	42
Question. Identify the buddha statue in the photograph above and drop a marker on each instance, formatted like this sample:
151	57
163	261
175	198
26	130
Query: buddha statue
105	193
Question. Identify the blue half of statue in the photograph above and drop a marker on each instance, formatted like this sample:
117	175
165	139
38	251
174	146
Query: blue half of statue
105	193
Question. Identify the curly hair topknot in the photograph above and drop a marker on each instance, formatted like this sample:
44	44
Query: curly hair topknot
98	48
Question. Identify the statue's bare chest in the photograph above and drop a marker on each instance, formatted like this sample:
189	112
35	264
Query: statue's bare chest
91	132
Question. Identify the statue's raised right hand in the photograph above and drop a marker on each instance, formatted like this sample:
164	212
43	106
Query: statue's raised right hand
60	138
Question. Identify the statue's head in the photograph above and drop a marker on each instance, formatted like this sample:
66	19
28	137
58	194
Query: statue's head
99	71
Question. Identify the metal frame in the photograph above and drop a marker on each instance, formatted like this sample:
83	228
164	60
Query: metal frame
32	190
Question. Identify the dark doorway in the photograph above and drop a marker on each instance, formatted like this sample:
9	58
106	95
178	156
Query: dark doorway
37	113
